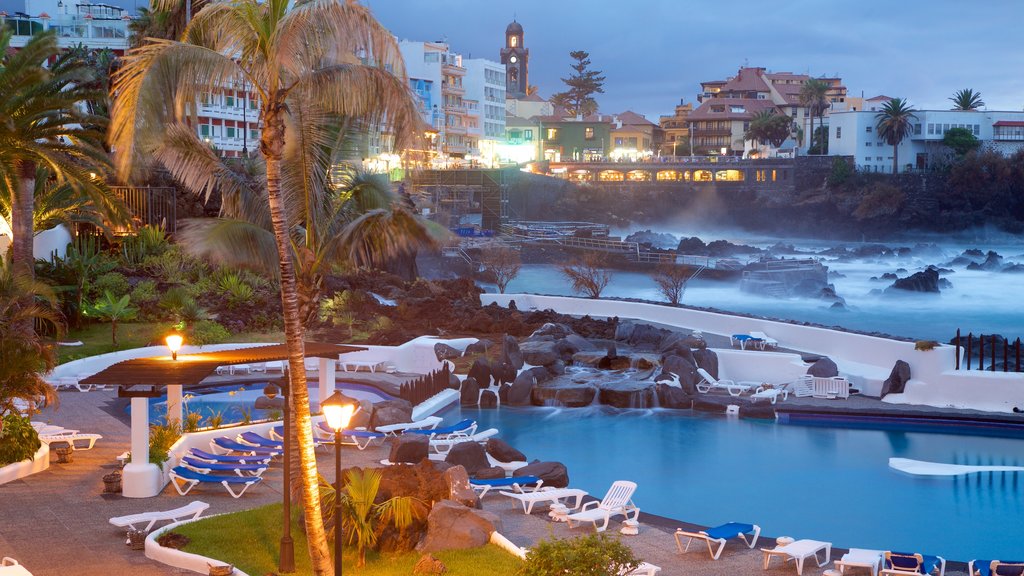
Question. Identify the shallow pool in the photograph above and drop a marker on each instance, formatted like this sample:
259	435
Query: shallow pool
803	481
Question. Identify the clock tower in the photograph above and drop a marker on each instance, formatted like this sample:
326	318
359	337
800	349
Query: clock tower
515	57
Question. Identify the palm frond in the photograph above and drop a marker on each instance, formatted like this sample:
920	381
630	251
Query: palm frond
230	243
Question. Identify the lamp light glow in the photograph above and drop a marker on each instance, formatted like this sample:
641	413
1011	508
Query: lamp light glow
337	411
174	342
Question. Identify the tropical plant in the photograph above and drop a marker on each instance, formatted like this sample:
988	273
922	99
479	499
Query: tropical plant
503	263
114	282
671	281
588	275
814	97
245	415
161	438
60	203
363	518
966	99
164	19
24	354
18	439
207	332
894	125
215	419
960	141
82	264
591	555
769	126
192	422
43	126
149	240
235	289
583	83
112	309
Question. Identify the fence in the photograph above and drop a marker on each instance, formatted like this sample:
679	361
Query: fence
993	346
425	387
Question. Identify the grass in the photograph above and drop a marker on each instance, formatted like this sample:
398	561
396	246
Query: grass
96	338
249	541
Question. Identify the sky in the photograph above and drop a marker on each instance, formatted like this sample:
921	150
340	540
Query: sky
656	52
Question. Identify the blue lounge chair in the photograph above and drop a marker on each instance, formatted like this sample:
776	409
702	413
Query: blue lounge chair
466	427
229	445
198	454
900	563
516	483
719	535
260	441
237	468
184	479
996	568
358	438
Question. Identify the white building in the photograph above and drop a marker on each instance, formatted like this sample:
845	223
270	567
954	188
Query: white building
485	83
94	26
856	134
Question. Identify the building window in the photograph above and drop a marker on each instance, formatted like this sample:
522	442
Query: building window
513	41
230	131
868	130
917	129
552	133
867	158
839	132
588	133
528	134
931	128
254	135
229	101
204	130
977	129
867	144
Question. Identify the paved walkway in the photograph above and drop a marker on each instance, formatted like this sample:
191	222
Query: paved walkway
55	522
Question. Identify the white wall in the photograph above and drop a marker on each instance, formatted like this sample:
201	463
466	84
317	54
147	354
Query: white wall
44	244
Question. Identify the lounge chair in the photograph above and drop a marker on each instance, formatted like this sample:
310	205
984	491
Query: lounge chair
236	467
995	568
228	445
734	389
11	567
772	394
90	439
198	454
185	479
516	483
259	441
835	387
428	423
275	366
803	386
551	496
466	427
193	511
644	569
617	502
358	438
443	445
799	551
860	558
745	340
901	564
44	429
763	341
718	535
509	467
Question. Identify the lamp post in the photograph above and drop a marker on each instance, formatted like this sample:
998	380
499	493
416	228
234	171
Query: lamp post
338	411
286	554
174	342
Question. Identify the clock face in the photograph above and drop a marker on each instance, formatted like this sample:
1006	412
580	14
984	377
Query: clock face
513	59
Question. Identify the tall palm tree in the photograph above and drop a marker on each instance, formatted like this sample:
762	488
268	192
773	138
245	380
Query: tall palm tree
814	97
767	126
56	203
329	57
43	124
966	99
894	125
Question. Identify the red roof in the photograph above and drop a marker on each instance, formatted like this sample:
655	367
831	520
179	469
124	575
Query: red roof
880	98
630	118
747	80
1014	123
751	107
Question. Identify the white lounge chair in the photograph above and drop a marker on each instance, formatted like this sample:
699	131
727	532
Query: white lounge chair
193	511
44	429
708	382
644	569
898	564
799	551
275	366
617	502
763	341
718	536
443	445
772	394
803	386
550	496
428	423
508	467
520	485
72	438
835	387
861	558
11	567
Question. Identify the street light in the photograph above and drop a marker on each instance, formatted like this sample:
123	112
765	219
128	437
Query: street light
174	342
338	411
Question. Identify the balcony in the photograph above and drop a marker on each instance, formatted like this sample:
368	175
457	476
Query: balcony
456	109
455	129
452	69
453	89
72	30
456	148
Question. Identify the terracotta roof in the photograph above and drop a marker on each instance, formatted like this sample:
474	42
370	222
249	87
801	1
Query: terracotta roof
632	118
747	80
1013	123
191	369
751	106
880	97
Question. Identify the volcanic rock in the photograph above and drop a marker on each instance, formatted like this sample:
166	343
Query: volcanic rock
823	368
409	449
570	395
897	380
470	455
553	474
520	392
511	353
394	411
453	526
708	360
924	281
503	452
488	399
481	372
672	397
469	395
628	394
540	352
446	352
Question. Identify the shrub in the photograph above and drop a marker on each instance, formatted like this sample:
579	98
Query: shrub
18	439
925	345
144	293
114	282
193	420
671	281
587	275
592	555
161	438
208	332
149	241
235	289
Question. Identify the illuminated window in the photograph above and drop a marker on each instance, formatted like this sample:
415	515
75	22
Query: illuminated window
610	176
513	41
552	133
702	176
668	175
588	133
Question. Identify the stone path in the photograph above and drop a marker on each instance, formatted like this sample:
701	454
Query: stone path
55	522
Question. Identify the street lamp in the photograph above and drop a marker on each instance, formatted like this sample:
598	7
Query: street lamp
174	342
338	411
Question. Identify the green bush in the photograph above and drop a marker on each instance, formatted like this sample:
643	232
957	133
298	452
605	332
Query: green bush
113	282
235	289
592	555
149	241
161	438
208	332
18	440
144	293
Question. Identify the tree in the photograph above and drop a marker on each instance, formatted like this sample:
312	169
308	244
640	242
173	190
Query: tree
770	127
44	125
310	64
819	141
894	125
590	555
503	263
671	281
112	309
966	99
814	97
960	141
587	275
583	84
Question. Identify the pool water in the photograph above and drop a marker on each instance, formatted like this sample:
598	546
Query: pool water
830	484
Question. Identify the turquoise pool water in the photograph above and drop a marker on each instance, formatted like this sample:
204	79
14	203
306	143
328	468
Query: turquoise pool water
830	484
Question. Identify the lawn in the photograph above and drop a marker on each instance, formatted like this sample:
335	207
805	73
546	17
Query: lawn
96	338
249	541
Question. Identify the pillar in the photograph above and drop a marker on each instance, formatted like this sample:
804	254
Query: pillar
328	371
175	405
140	479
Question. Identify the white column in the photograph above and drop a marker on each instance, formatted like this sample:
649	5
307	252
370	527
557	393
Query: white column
328	369
141	479
140	430
175	406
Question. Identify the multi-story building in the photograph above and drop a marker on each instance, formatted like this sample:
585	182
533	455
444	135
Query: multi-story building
94	26
676	130
522	140
634	137
727	106
586	140
485	83
855	133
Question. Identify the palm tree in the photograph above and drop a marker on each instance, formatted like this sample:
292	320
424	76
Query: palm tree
814	97
60	203
308	63
967	99
114	309
894	125
23	353
769	126
42	124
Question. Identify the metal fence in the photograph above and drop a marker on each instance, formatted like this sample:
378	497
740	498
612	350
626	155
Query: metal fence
973	351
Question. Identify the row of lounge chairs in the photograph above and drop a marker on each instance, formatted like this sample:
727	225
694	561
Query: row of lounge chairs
78	440
804	386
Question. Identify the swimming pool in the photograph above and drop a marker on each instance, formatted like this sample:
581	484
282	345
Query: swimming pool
803	481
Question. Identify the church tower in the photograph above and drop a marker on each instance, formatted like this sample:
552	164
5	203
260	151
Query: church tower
515	57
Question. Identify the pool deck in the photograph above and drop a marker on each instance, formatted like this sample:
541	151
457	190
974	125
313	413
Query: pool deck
55	522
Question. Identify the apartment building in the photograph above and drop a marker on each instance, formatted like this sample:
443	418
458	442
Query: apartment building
94	26
485	84
633	137
676	131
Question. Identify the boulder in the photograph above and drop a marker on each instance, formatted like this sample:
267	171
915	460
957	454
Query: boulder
554	474
481	372
459	489
540	352
427	564
479	347
503	452
488	399
409	449
555	331
492	473
394	411
510	351
579	343
897	380
564	349
469	455
757	411
705	404
453	381
453	526
503	371
683	369
540	374
673	397
823	368
628	394
264	403
503	393
570	395
446	352
519	393
624	330
708	360
469	395
645	336
925	281
557	368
